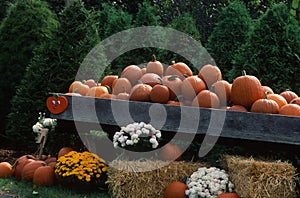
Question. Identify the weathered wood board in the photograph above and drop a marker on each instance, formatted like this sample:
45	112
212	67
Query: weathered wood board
185	119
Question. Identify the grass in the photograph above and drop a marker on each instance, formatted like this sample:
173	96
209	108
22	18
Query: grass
24	189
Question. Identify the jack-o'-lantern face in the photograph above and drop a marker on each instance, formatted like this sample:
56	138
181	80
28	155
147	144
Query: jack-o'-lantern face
57	104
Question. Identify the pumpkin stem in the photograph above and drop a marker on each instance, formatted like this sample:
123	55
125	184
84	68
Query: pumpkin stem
171	78
266	94
244	73
161	81
153	58
173	62
108	89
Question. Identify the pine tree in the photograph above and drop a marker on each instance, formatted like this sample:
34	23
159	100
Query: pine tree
272	52
231	31
52	69
25	26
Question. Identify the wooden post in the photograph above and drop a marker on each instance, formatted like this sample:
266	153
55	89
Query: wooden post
43	139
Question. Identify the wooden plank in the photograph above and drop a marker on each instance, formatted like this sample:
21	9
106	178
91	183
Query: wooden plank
185	119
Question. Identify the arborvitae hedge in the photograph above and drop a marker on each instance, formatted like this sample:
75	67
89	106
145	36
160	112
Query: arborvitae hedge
229	34
26	25
52	69
273	51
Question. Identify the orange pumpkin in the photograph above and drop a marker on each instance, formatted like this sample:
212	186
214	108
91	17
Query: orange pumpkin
150	79
175	190
28	170
238	108
155	66
133	73
223	90
290	110
140	92
108	80
245	90
20	163
210	74
121	85
6	170
174	84
228	195
63	151
97	91
174	102
79	87
180	69
280	100
50	160
44	176
267	89
206	99
57	104
160	94
265	106
170	152
289	95
191	86
295	101
122	96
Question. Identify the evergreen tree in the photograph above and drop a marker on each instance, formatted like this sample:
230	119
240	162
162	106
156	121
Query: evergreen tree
26	25
52	69
231	31
272	51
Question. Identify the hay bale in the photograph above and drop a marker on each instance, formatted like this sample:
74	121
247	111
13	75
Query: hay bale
257	179
127	179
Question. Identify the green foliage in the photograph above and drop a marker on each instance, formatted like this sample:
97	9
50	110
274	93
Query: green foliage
4	4
26	25
229	34
52	69
272	51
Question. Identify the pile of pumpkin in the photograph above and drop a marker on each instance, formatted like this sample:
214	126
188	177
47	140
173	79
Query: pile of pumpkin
31	168
178	85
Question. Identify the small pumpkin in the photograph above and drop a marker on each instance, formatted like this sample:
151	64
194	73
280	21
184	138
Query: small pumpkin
223	89
175	190
173	82
155	66
245	90
174	102
295	101
238	108
90	82
206	99
50	160
122	96
191	86
150	79
265	106
133	73
28	170
228	195
108	80
44	176
6	170
140	92
160	94
57	104
79	87
210	74
180	69
170	152
290	110
280	100
267	89
97	91
63	151
289	95
121	85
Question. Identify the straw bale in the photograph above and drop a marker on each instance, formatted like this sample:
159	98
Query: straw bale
127	179
261	179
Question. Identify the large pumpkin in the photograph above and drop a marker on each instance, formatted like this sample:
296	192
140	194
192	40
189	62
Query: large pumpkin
44	176
133	73
191	86
290	110
245	90
20	163
175	190
140	92
210	74
28	170
6	170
